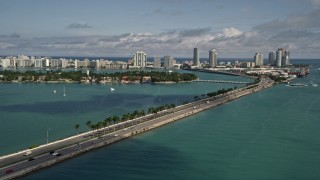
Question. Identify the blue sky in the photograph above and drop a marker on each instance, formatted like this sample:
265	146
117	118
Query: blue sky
236	28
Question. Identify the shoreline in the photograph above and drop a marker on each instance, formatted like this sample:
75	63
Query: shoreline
182	112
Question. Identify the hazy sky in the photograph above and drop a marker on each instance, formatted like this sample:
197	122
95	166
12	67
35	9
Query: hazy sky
235	28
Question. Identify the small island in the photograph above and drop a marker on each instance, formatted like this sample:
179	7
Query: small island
91	77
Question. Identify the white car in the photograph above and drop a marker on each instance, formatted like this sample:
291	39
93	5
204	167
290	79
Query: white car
54	154
115	135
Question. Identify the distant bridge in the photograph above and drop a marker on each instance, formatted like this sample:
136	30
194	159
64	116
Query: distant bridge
221	81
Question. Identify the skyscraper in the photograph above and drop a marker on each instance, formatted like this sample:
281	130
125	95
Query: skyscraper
196	61
272	57
213	58
258	59
279	57
140	59
285	58
156	62
168	62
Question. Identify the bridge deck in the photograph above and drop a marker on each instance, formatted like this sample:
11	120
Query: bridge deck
221	81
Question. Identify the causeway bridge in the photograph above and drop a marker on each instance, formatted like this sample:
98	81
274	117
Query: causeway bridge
221	81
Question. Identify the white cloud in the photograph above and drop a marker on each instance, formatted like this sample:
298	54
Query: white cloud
300	34
231	32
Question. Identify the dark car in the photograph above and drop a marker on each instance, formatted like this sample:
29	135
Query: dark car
9	171
31	159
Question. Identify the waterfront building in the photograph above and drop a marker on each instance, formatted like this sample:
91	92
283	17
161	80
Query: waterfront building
55	63
76	63
196	61
45	62
83	64
258	59
24	63
103	63
168	62
13	62
157	62
248	64
118	65
213	62
140	59
95	64
272	57
38	63
64	63
5	63
285	58
279	57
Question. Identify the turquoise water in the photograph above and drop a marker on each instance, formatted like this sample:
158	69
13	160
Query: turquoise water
29	110
273	134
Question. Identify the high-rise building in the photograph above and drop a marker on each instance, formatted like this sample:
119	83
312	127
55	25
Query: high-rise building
285	58
140	59
196	61
213	62
157	62
272	57
38	63
279	57
258	59
45	62
168	62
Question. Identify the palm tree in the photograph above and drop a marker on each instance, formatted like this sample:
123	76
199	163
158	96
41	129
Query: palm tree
99	126
88	123
77	126
94	127
104	124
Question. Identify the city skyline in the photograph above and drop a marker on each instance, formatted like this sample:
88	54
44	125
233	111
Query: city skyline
115	28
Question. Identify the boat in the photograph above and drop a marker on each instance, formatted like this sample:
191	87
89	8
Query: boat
64	91
170	71
112	89
314	85
298	85
54	91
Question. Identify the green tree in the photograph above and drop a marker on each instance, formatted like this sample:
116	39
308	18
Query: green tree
77	126
88	124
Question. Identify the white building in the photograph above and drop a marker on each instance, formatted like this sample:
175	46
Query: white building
45	62
38	63
157	62
55	63
279	57
64	63
258	59
213	55
272	57
5	63
140	59
285	58
168	62
196	61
